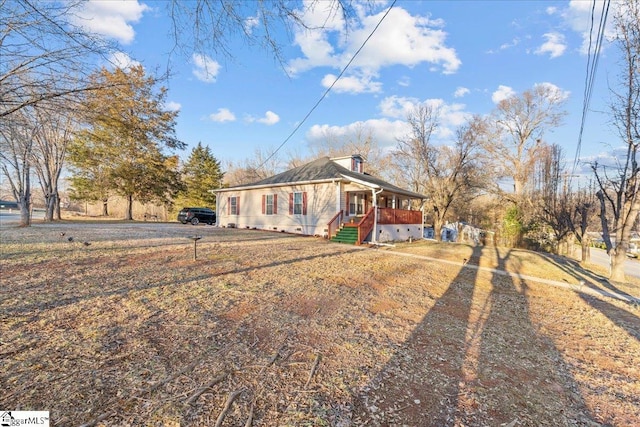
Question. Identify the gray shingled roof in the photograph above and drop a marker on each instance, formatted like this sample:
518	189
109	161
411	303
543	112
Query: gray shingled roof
324	169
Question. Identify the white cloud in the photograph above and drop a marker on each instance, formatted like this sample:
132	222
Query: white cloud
222	115
451	115
352	84
405	81
554	46
110	19
460	92
502	93
578	18
251	23
206	69
122	60
270	118
401	39
386	132
397	107
172	106
394	125
609	159
514	42
554	92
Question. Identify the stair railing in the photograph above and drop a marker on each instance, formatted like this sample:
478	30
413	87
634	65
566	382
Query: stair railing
334	225
365	225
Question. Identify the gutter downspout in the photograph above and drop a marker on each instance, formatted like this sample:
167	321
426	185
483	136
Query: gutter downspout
374	237
422	219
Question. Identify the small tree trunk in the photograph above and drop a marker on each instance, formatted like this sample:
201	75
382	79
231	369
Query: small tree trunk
105	210
50	207
56	208
25	209
618	258
586	252
437	228
129	210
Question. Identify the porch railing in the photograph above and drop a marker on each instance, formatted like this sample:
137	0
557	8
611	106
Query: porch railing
365	226
398	216
334	225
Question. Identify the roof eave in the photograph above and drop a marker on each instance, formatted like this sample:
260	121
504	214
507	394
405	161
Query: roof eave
283	184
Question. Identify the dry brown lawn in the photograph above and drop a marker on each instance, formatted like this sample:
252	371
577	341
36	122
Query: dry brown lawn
269	329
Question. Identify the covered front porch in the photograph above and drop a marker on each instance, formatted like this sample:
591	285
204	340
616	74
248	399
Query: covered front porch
375	211
377	225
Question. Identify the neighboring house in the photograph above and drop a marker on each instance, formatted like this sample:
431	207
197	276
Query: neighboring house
322	198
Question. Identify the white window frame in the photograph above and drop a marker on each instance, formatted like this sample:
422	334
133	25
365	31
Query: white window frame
298	204
268	204
233	202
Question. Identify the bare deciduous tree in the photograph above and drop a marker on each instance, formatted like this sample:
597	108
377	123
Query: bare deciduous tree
554	195
207	26
44	56
54	133
618	188
514	134
583	213
16	157
359	141
262	165
414	151
446	174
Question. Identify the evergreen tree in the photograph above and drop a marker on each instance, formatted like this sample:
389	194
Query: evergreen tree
201	173
121	150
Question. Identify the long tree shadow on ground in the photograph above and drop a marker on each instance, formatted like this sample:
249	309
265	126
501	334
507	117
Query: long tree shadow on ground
475	359
576	270
420	383
622	318
518	368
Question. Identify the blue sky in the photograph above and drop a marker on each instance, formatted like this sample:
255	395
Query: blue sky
463	56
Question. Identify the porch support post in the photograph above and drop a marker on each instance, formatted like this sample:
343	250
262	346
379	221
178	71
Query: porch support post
338	196
374	233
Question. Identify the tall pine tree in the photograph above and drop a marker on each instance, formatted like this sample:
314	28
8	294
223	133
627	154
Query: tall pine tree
201	173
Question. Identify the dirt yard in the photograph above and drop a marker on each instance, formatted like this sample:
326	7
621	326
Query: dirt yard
269	329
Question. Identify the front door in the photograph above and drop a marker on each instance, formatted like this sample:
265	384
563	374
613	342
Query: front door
357	203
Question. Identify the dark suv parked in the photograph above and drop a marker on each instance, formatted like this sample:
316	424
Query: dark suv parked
197	215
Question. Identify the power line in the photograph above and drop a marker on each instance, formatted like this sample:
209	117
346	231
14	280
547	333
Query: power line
592	67
326	92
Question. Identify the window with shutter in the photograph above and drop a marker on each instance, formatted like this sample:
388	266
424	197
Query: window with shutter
268	201
298	203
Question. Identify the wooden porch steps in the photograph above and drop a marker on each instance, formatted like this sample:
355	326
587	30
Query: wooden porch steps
346	235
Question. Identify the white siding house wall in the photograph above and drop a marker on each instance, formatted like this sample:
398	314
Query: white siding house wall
320	208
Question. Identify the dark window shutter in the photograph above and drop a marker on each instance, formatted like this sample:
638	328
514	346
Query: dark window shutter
290	203
237	205
304	203
264	203
228	205
275	204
